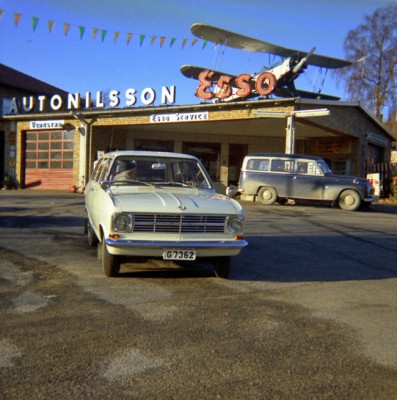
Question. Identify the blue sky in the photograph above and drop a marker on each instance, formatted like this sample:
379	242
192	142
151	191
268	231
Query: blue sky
78	63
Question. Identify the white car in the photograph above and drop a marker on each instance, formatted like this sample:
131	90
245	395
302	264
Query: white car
160	205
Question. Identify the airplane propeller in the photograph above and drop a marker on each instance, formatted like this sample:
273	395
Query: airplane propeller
303	61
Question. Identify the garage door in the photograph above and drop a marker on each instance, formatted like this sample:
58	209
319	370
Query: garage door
49	159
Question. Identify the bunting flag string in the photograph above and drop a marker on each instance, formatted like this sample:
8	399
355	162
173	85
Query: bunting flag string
82	30
103	34
18	17
94	32
51	24
141	39
66	28
35	21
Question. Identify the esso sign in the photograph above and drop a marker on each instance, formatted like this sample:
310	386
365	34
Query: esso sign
242	86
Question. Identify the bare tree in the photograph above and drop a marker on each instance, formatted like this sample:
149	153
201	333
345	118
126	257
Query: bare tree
372	47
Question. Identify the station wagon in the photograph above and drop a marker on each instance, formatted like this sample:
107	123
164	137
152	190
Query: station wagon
278	177
160	205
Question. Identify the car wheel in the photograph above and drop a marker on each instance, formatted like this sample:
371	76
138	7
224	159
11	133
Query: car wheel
91	236
223	266
110	262
267	195
349	200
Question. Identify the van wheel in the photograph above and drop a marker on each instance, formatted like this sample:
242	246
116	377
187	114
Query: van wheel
223	266
349	200
267	195
110	262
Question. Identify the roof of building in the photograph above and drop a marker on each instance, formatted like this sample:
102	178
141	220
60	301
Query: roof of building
12	78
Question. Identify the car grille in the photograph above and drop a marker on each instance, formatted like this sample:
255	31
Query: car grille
175	223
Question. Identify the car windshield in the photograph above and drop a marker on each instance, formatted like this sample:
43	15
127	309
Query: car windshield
158	171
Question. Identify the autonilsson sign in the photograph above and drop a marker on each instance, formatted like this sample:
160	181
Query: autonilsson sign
75	101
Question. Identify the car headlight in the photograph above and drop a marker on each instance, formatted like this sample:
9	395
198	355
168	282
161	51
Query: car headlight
122	222
235	224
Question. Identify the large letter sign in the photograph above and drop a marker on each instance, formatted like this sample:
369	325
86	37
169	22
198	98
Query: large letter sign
205	83
244	84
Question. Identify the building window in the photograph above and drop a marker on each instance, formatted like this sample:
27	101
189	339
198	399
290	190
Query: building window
154	145
49	150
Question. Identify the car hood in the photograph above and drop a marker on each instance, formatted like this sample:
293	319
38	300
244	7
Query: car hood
174	201
346	178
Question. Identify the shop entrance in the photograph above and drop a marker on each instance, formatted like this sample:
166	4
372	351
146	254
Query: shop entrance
237	152
208	153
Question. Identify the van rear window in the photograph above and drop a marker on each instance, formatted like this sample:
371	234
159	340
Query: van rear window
255	164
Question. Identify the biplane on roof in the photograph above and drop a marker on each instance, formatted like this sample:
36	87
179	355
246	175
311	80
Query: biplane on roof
237	41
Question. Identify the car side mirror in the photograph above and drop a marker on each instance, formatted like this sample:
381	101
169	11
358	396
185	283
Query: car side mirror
231	191
105	185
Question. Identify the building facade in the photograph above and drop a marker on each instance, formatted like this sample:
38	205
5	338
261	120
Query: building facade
50	138
57	149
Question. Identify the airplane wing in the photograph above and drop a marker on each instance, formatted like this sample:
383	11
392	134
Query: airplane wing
192	71
237	41
304	94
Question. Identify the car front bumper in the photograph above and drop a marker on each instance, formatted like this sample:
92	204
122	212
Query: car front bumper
147	248
369	199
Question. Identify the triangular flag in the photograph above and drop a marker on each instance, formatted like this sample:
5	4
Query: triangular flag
194	42
35	21
66	28
17	18
50	25
141	39
153	40
184	41
205	43
94	32
116	36
81	29
103	34
173	40
129	36
162	40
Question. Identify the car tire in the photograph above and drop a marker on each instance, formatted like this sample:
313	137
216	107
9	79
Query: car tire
267	195
349	200
110	262
92	239
223	266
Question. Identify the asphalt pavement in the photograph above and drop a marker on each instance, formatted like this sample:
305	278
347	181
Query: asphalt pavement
309	312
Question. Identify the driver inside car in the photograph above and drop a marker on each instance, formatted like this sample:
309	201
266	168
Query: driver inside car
125	170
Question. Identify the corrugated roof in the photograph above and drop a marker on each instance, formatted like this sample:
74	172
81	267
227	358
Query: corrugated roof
12	78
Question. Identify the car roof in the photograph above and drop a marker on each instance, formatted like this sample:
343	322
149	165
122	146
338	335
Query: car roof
283	155
148	154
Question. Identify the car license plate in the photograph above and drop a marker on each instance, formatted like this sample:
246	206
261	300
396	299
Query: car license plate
171	254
